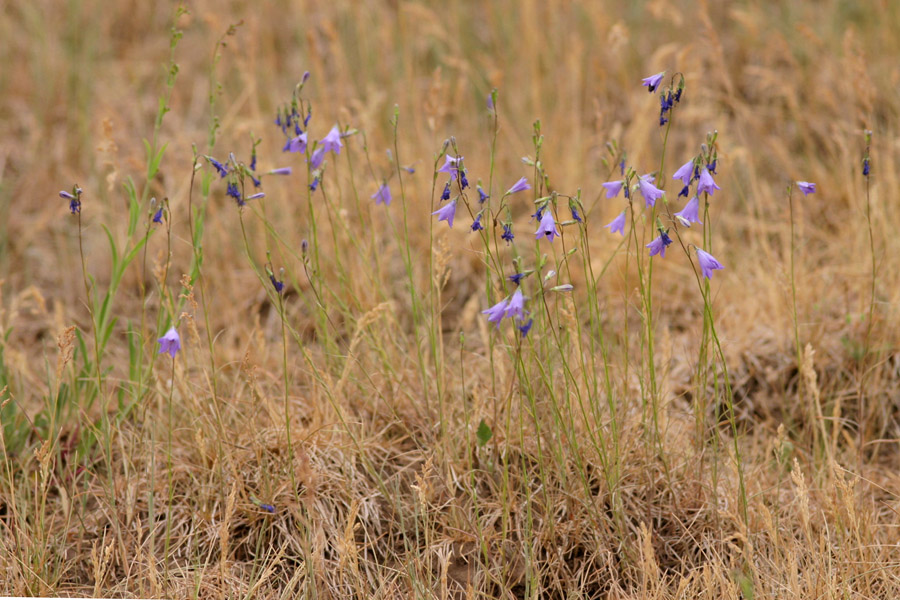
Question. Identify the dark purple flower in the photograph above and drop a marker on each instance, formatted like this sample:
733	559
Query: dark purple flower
445	195
520	186
685	172
481	195
547	226
526	327
253	161
516	306
74	200
383	194
267	507
690	213
446	213
314	184
507	233
233	191
622	167
463	182
706	183
476	224
866	167
170	342
650	192
806	187
278	285
575	215
332	141
256	182
516	278
496	312
157	217
222	169
297	144
712	167
685	191
708	263
613	188
617	224
658	246
653	81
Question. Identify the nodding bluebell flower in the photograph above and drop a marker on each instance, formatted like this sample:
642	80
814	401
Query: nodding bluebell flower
575	215
537	214
332	141
516	278
652	82
446	213
613	188
658	246
317	158
520	186
685	172
650	192
445	195
482	197
450	166
222	169
297	144
663	121
706	183
463	182
690	213
712	166
678	95
526	327
806	187
170	342
708	263
866	167
256	182
74	199
314	184
255	196
307	117
622	167
496	312
516	306
383	194
278	285
547	226
253	160
507	233
490	102
233	191
476	224
281	171
685	191
157	217
297	129
617	224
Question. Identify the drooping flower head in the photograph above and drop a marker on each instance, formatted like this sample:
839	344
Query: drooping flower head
706	183
617	224
222	169
332	141
158	215
74	198
507	233
520	186
278	285
650	192
652	82
496	312
317	158
482	197
690	213
170	342
865	167
516	306
613	188
525	327
685	172
708	263
297	144
450	165
806	187
383	194
476	224
658	246
516	278
446	213
445	195
547	226
574	210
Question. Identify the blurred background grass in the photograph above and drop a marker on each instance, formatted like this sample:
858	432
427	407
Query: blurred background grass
789	86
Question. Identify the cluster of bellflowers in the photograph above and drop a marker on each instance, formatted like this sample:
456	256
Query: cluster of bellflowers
669	95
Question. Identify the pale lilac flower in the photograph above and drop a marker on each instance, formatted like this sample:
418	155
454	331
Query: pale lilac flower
170	342
706	183
650	192
520	186
297	144
658	246
685	172
547	226
281	171
708	263
516	306
653	81
382	195
256	196
490	102
617	224
613	188
446	213
332	141
806	187
690	213
450	166
496	312
317	158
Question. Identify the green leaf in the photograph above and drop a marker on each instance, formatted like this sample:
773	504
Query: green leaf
484	433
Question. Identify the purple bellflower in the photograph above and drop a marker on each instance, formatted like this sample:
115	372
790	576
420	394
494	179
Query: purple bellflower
382	195
74	200
866	167
526	327
450	165
476	224
170	342
685	172
617	224
446	213
547	226
520	186
445	195
708	263
690	213
317	158
222	169
658	246
650	192
278	285
507	233
806	187
297	144
706	183
575	215
157	217
516	306
281	171
332	141
653	81
481	195
613	188
496	312
516	278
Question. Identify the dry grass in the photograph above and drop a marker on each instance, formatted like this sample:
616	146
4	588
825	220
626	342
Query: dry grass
381	489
